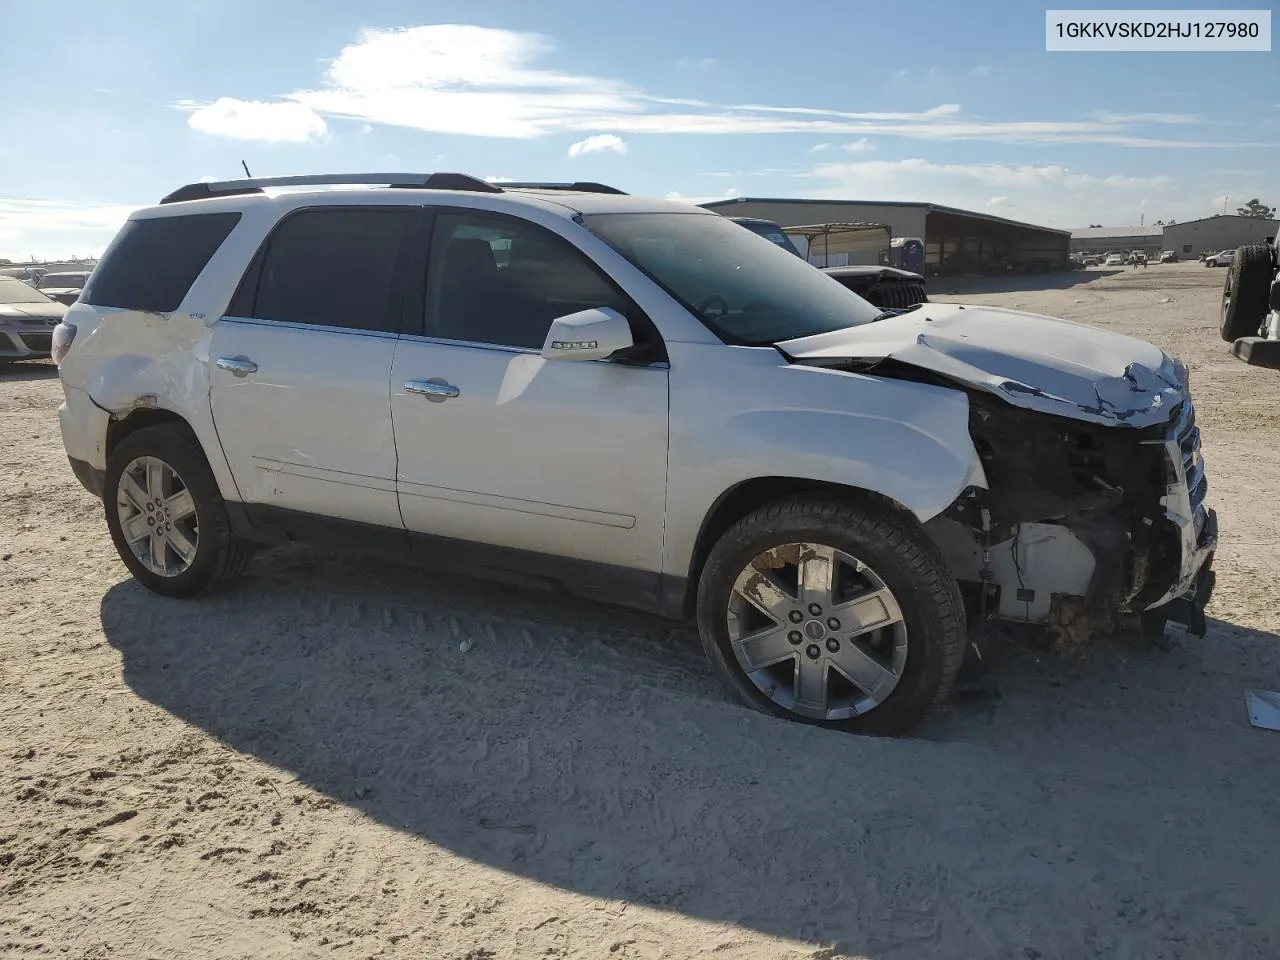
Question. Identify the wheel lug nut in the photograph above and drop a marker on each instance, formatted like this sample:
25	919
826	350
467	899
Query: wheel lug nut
833	623
150	505
796	616
833	644
813	651
815	609
794	637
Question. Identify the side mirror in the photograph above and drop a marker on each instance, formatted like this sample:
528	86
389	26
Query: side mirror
587	335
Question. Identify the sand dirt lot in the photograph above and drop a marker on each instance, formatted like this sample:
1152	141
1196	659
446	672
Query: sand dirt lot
310	766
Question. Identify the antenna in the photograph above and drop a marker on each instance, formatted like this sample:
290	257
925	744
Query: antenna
246	170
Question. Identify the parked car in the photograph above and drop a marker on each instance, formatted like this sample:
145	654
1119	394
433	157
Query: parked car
1222	258
1115	260
1138	258
1092	259
1168	256
642	404
883	286
770	231
64	286
886	287
27	319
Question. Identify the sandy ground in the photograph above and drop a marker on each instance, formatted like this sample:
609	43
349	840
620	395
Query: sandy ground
310	766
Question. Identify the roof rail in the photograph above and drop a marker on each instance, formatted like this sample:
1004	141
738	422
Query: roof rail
580	186
419	181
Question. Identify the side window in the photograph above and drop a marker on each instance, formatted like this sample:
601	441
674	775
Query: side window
499	281
1186	248
332	267
151	264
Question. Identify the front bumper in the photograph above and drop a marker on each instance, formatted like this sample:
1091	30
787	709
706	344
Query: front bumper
27	342
84	429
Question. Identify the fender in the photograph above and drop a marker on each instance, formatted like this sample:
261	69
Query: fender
904	440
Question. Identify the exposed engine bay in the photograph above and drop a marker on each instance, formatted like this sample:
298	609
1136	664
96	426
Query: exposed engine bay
1092	518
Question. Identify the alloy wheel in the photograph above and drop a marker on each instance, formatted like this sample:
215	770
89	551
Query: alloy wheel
157	516
817	631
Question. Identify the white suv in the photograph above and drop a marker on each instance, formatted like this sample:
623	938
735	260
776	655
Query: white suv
638	401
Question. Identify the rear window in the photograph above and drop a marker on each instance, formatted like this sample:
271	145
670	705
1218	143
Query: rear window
151	264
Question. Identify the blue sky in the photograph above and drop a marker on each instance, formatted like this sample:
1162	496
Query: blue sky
109	106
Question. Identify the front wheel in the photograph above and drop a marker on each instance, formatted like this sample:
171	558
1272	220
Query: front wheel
832	612
166	516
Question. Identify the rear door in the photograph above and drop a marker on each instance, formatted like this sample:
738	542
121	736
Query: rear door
300	367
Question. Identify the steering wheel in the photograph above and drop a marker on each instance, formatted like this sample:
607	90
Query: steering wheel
717	301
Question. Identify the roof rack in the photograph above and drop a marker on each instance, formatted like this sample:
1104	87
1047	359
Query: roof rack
417	181
579	186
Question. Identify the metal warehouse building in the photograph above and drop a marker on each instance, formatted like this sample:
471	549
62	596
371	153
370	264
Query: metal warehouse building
1150	240
1223	232
1187	240
956	241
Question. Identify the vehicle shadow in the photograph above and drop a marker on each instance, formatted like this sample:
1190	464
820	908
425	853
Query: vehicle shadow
28	370
588	747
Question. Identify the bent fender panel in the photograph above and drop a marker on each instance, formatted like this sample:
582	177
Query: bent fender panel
158	362
906	441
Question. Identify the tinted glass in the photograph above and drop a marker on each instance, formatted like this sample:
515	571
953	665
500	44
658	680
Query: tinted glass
744	290
17	291
333	267
151	264
62	281
502	282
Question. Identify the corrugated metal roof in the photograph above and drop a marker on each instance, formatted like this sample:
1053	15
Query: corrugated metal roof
717	205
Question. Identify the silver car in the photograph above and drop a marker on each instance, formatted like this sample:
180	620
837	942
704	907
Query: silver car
27	319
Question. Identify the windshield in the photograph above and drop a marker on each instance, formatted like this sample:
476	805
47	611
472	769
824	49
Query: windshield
58	280
16	291
746	291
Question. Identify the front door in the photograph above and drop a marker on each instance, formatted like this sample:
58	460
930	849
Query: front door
562	459
301	365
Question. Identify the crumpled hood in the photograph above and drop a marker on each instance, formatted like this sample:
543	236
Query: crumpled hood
1028	360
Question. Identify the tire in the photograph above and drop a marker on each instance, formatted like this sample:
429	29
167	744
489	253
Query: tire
218	559
1246	292
898	555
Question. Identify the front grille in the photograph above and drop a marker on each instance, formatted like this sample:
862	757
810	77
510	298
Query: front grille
42	342
1186	436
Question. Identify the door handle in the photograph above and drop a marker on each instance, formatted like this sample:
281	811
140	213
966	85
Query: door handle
435	389
240	366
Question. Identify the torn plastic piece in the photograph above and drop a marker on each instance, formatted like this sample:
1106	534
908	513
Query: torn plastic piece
1264	708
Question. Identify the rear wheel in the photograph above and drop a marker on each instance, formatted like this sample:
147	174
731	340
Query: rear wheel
834	613
1245	292
166	516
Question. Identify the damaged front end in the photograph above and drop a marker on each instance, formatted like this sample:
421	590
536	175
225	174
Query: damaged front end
1083	526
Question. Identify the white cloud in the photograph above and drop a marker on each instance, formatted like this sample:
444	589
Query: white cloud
492	179
600	143
56	228
481	81
981	70
279	122
860	146
1108	116
819	147
682	198
704	63
1041	193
